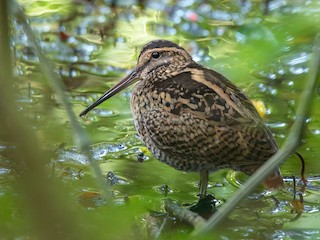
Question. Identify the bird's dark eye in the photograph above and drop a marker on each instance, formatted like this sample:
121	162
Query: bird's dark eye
155	54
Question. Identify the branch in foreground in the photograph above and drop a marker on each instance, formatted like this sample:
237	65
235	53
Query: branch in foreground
285	151
184	214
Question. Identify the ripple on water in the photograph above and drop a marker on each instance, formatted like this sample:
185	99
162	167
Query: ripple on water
276	125
235	178
96	114
101	112
72	155
297	58
114	179
99	152
273	73
4	171
125	125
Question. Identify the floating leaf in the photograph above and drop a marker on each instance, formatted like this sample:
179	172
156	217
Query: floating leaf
91	199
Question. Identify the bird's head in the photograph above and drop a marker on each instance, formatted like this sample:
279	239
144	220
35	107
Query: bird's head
157	61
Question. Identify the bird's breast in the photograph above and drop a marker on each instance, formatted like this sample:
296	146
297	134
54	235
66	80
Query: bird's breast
143	100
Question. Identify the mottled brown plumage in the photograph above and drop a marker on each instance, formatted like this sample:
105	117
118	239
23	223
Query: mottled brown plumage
193	118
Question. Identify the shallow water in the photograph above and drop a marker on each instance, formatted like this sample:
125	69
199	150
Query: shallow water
269	61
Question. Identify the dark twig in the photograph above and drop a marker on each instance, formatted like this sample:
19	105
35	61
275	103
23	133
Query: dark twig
288	148
184	214
303	179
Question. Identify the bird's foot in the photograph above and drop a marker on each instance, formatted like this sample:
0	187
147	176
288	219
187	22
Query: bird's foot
206	206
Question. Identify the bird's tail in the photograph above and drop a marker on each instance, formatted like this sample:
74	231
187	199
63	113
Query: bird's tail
274	181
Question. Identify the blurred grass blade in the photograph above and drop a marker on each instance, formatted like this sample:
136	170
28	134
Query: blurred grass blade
37	198
47	67
288	148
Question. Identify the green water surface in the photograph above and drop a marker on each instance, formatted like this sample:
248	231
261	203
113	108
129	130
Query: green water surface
262	46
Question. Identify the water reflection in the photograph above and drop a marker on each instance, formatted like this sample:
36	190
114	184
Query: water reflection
74	43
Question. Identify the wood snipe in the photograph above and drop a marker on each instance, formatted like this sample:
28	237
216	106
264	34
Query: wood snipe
193	118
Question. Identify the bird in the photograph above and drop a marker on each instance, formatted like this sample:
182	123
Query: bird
193	118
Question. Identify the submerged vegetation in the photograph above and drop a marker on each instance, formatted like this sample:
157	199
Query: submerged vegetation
71	178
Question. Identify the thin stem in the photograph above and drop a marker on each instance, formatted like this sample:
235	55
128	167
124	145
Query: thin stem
47	67
288	148
48	217
184	214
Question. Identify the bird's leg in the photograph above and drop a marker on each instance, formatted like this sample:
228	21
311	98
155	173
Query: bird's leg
203	183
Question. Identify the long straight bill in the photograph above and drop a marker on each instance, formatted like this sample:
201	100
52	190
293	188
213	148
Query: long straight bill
124	83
